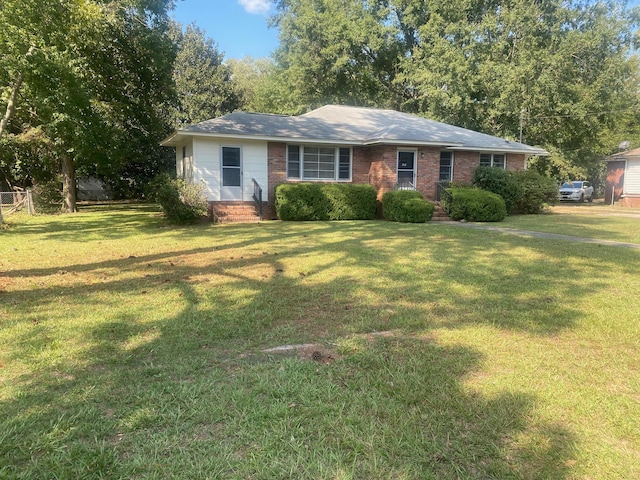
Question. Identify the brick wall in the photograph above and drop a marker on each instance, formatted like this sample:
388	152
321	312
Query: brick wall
382	162
428	171
464	164
276	173
515	161
377	166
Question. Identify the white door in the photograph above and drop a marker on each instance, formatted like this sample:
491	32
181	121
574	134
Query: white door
231	188
406	170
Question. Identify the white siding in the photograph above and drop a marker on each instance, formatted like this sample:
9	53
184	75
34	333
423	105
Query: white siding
206	165
184	166
632	177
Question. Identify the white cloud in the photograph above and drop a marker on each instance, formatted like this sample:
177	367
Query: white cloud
255	6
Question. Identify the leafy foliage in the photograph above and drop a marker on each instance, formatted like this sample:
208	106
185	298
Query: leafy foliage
522	191
537	190
203	83
181	202
47	196
92	80
316	201
474	205
407	206
565	71
500	181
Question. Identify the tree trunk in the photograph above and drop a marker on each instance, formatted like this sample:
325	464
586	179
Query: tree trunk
11	103
68	184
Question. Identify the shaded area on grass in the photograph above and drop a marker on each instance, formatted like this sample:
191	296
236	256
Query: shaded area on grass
155	381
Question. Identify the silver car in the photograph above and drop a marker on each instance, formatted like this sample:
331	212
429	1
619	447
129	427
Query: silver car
576	191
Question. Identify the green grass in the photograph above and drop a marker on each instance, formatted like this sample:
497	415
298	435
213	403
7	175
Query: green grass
583	220
132	349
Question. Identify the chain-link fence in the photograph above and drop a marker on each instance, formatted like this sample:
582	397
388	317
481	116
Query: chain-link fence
11	202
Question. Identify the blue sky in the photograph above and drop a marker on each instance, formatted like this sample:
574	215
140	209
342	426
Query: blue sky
239	27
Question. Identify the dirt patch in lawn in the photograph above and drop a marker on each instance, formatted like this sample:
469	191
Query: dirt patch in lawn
315	352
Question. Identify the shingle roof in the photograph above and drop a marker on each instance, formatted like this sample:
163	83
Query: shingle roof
623	155
350	125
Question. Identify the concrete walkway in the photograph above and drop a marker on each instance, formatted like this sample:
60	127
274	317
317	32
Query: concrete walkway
553	236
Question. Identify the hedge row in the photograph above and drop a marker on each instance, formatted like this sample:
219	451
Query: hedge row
407	206
325	201
474	205
522	191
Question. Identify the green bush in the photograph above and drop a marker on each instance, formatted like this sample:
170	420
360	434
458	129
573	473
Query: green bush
500	181
47	197
475	205
325	201
180	202
407	206
537	191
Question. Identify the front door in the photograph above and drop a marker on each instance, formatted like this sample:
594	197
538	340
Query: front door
231	188
406	170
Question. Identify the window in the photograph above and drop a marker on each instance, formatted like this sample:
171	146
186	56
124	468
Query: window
231	167
446	166
293	161
318	163
183	173
344	164
493	160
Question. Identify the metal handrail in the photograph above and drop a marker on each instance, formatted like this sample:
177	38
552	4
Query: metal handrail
443	196
257	196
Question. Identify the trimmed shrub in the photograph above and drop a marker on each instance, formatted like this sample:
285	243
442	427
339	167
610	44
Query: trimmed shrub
180	202
500	181
47	197
325	201
351	202
406	206
537	190
475	205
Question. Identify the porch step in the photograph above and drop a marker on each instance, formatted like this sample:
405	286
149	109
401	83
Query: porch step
236	212
439	215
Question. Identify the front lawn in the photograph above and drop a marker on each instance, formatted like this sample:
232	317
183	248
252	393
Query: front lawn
583	220
132	349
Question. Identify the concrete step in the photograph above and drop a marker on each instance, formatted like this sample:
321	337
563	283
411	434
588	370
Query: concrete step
238	219
439	215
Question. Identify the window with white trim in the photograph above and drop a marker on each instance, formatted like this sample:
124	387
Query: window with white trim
318	162
446	166
493	160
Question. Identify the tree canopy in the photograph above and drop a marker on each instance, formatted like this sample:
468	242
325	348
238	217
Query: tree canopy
203	83
564	72
93	85
89	77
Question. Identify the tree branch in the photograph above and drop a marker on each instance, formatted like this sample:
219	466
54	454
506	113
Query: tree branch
11	104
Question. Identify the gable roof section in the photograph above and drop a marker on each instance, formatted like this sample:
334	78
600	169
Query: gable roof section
344	125
629	154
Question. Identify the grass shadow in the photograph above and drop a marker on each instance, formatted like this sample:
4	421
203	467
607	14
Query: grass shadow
157	383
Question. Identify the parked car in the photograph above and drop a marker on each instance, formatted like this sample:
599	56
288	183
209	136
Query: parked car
576	191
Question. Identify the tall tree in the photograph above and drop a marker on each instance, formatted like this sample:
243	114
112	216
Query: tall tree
90	75
339	51
564	71
262	86
203	82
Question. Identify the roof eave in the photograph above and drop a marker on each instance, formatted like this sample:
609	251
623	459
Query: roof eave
177	136
537	152
414	143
